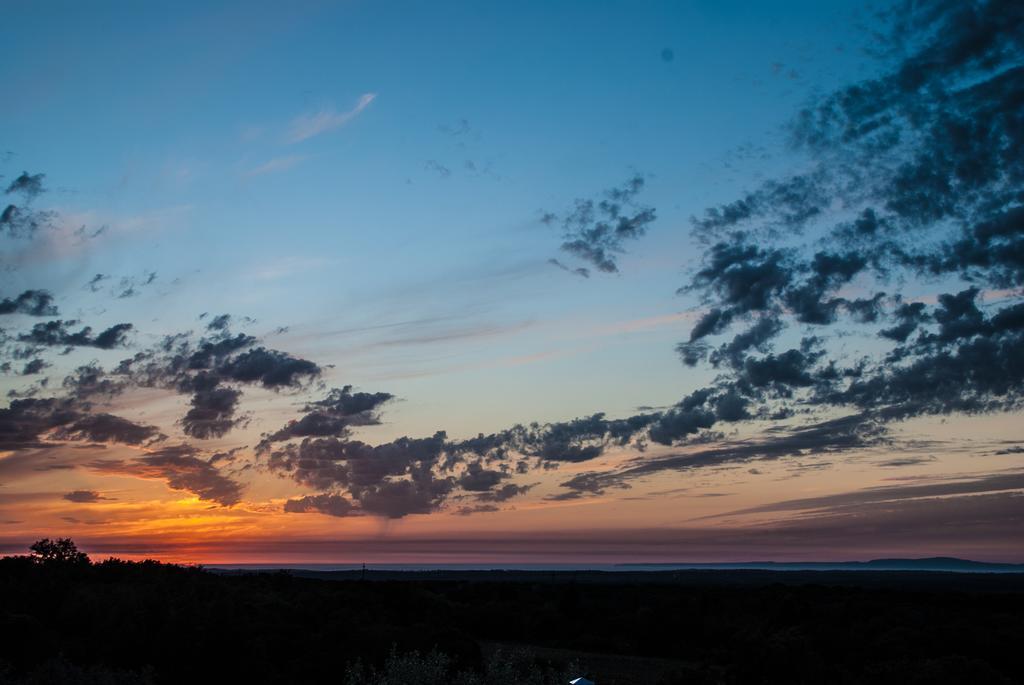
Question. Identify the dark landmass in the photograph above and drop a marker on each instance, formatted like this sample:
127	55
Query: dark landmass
951	564
121	622
927	564
940	581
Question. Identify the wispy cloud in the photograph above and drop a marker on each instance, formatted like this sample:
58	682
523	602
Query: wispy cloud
275	164
286	266
309	125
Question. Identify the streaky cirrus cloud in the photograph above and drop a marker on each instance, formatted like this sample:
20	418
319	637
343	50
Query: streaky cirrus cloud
276	164
309	125
84	496
844	501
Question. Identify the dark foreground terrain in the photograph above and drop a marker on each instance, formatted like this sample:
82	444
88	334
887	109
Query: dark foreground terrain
118	622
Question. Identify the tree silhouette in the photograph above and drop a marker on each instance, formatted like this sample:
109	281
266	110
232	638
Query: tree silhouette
60	551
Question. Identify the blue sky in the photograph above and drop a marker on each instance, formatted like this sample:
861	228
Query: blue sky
181	120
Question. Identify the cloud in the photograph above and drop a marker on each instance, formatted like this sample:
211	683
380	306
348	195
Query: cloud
26	424
21	221
276	164
58	333
332	416
91	380
477	478
211	412
107	428
438	168
271	368
27	184
309	125
129	286
393	479
909	175
503	493
845	501
181	468
581	271
595	231
84	496
94	282
469	510
332	505
853	432
422	494
31	302
208	368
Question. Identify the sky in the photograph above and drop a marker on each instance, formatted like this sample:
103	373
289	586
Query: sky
513	282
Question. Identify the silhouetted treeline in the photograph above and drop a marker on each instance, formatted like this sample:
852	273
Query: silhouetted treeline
120	622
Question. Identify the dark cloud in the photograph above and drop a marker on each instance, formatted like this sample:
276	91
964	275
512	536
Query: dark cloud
594	231
421	494
477	478
34	366
221	322
270	368
208	368
27	423
129	286
227	456
591	483
392	479
107	428
332	505
921	167
21	221
857	431
332	416
27	184
360	406
908	316
94	282
576	440
787	204
578	271
84	496
31	302
469	510
210	353
91	380
503	493
900	462
405	476
211	412
59	333
182	469
701	410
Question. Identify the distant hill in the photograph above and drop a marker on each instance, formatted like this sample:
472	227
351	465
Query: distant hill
951	564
